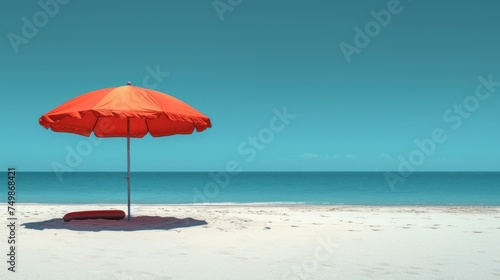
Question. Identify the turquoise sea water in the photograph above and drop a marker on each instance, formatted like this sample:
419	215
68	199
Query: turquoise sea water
358	188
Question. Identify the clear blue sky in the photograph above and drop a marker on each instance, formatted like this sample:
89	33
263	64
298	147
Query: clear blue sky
237	63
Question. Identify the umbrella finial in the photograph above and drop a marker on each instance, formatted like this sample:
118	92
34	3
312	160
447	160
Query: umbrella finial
129	83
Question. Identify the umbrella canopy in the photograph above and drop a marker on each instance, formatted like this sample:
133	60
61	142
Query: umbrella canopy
107	111
125	111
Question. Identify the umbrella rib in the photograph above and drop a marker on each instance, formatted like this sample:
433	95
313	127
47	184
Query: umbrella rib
147	126
95	124
152	99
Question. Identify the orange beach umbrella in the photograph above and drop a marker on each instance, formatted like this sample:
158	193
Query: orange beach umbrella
125	111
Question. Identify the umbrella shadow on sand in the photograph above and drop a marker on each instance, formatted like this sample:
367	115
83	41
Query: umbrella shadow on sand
135	224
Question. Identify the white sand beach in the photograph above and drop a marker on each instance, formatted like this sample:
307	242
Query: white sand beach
257	242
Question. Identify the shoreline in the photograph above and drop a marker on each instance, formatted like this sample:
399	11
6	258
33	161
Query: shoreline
339	207
297	205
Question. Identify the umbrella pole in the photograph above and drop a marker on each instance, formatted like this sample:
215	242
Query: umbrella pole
128	165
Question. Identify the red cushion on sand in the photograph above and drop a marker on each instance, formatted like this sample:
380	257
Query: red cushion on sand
95	214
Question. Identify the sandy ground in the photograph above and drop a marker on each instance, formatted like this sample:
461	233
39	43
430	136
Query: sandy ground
256	242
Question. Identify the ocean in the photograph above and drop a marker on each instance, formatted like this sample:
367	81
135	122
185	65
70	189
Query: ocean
323	188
